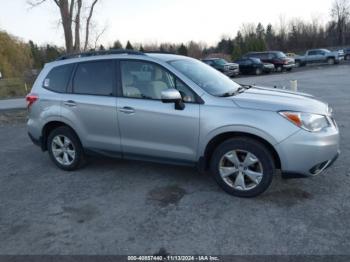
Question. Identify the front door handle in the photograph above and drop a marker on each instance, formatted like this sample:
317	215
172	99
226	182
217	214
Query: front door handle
70	103
127	110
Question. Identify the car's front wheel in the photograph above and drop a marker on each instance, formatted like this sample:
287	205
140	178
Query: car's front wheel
331	61
258	71
243	167
65	149
279	69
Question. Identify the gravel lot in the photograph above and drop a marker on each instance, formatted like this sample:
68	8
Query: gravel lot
125	207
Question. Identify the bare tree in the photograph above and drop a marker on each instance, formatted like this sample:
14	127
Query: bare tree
88	22
341	14
71	13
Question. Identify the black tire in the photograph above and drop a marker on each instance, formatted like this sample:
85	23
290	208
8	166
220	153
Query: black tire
258	71
250	145
79	158
279	69
289	69
331	61
298	63
347	57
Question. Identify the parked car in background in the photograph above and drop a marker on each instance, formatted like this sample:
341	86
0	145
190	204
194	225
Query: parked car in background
319	56
277	58
229	69
291	54
251	65
341	54
347	53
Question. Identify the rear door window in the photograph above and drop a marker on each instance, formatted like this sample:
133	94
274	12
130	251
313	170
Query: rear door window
94	78
58	78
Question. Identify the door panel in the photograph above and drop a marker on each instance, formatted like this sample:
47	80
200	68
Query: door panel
95	118
156	129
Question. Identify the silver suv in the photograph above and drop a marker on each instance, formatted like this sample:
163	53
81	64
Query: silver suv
178	110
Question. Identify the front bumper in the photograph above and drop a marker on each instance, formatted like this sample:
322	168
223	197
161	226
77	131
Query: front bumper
309	154
288	66
232	72
268	68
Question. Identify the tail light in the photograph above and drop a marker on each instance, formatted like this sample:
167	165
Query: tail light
31	99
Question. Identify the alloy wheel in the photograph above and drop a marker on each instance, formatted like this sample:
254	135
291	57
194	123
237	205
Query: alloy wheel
63	150
241	170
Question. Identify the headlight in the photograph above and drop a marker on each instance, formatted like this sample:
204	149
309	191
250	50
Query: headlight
309	122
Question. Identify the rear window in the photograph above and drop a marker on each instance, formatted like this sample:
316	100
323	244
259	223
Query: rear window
94	78
57	79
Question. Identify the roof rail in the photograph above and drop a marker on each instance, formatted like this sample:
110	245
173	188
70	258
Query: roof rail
100	52
160	52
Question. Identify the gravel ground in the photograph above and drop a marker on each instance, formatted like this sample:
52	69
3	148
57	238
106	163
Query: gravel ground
126	207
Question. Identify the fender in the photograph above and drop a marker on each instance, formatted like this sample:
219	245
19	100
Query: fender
234	128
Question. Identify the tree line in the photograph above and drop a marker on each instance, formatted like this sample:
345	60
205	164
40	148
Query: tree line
295	35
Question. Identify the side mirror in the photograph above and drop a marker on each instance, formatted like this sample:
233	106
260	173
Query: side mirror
173	96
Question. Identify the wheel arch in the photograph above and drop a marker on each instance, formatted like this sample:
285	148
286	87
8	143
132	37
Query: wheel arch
49	127
220	138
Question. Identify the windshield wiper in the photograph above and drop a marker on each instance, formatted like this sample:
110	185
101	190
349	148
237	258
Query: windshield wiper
239	90
247	86
227	94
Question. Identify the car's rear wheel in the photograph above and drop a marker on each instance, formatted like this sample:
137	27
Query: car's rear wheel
297	63
65	149
331	61
243	167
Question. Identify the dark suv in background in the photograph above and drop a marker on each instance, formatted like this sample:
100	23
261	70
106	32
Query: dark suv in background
277	58
229	69
251	65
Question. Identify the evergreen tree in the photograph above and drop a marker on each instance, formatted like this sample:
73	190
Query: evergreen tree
270	37
117	45
182	50
129	46
260	31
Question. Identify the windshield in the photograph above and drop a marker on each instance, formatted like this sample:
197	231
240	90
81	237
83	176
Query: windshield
211	80
220	61
256	60
280	54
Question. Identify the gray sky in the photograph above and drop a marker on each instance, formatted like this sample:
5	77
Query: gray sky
155	21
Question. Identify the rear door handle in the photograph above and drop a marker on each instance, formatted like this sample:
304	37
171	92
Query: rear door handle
70	103
127	110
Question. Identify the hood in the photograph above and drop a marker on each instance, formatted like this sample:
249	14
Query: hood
273	99
289	59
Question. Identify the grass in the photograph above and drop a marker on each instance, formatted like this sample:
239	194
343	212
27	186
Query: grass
17	116
13	87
